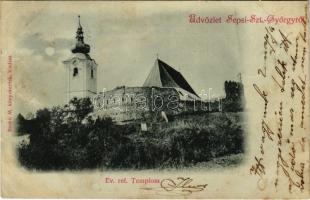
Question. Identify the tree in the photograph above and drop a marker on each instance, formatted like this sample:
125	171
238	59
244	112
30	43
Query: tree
21	124
80	108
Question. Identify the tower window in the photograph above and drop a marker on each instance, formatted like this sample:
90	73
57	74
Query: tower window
92	73
75	71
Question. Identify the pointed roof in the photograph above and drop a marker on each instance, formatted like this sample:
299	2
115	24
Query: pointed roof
163	75
80	46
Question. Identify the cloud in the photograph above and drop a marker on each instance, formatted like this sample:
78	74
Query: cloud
46	50
124	42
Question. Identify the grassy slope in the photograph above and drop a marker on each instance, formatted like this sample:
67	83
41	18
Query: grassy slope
210	136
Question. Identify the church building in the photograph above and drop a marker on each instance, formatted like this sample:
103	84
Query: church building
164	92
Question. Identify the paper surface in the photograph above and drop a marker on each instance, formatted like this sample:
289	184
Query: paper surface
170	99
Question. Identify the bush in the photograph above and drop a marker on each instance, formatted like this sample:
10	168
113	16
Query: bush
59	140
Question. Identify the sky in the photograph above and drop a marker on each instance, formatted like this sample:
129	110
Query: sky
125	40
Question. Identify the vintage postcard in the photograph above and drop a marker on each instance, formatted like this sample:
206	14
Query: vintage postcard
112	99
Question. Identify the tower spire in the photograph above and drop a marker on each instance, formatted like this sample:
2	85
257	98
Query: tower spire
79	21
80	46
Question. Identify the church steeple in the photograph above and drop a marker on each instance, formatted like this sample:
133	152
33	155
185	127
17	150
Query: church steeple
80	21
80	46
81	69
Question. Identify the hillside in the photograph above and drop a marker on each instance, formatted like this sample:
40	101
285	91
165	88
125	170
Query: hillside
59	140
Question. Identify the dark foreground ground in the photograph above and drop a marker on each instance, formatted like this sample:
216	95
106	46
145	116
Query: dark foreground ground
204	140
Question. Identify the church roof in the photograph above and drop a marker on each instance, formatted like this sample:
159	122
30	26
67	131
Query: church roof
163	75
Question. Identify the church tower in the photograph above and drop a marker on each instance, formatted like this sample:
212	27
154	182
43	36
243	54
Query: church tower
81	69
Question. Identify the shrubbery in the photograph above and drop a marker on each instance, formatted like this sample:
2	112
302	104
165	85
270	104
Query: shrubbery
61	138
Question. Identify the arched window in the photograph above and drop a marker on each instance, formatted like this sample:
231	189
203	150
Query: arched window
75	71
92	73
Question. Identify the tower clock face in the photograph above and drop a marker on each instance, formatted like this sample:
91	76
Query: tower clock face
75	62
